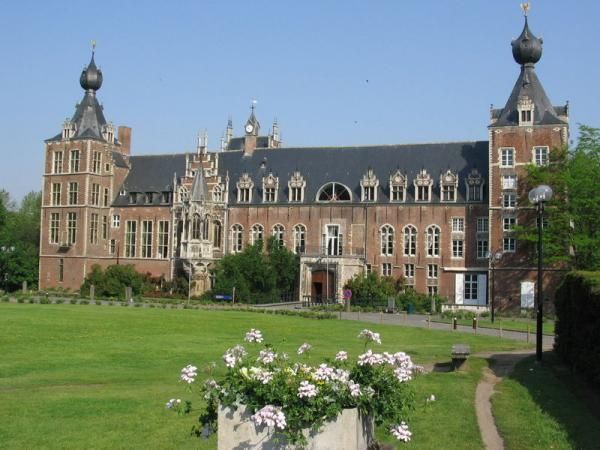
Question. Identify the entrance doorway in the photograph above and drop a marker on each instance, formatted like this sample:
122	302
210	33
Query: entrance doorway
323	286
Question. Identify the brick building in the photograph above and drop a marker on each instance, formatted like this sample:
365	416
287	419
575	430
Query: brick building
431	213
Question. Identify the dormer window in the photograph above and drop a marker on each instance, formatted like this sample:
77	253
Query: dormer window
474	186
183	194
148	197
525	108
217	194
244	189
448	185
423	184
296	187
397	187
68	129
270	187
369	184
334	192
132	197
108	132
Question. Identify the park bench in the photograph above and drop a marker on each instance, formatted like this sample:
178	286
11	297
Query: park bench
460	353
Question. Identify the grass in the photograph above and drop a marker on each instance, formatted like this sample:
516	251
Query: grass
82	376
536	408
506	324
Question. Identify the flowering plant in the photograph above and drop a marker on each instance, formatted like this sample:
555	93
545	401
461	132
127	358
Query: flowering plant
288	396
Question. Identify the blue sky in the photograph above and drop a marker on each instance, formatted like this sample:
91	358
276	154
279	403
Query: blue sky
174	68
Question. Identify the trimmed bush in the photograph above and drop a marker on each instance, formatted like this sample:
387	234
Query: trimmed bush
577	317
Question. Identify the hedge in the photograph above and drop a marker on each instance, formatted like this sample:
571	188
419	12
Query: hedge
577	323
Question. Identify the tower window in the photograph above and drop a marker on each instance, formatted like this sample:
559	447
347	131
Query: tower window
540	156
74	161
56	188
507	157
73	192
57	162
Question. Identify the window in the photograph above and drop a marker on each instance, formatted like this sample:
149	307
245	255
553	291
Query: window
104	227
132	197
369	184
368	268
458	224
448	193
130	238
278	232
525	117
423	184
244	189
61	269
95	200
432	271
74	161
116	221
295	194
55	201
196	227
509	244
71	228
397	193
482	248
113	247
256	233
433	241
165	197
54	227
509	181
147	239
509	200
457	248
96	162
163	239
397	187
482	225
474	186
409	271
387	240
296	186
93	228
432	291
217	234
183	194
474	193
269	195
73	192
508	223
422	193
105	202
507	157
368	193
410	241
217	194
244	195
471	286
236	238
540	156
299	238
270	186
334	192
448	183
386	270
148	197
57	162
544	222
333	240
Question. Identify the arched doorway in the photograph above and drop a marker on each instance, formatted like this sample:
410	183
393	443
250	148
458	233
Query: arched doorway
323	285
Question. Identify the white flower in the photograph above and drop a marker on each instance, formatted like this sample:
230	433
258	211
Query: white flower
369	335
234	355
266	356
354	389
324	373
189	374
401	432
254	336
307	390
403	374
431	398
260	374
172	403
341	356
370	359
304	348
270	416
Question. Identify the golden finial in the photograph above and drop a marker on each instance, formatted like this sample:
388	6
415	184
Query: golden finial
93	45
525	7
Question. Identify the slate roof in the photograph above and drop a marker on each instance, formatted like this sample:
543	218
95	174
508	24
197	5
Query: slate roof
238	143
347	165
88	119
151	173
199	188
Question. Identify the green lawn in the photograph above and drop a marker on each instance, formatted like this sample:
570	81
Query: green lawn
506	324
75	376
537	408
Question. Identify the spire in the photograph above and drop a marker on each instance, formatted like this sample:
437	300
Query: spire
199	187
91	76
252	124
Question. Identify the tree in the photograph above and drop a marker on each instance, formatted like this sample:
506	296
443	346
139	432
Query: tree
572	230
372	290
113	281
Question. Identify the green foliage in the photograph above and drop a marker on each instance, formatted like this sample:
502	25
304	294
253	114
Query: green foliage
372	290
19	241
258	276
578	314
421	303
572	232
113	281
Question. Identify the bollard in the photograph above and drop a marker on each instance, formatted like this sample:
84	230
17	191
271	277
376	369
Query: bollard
380	317
92	292
475	324
358	315
454	323
500	332
429	321
528	334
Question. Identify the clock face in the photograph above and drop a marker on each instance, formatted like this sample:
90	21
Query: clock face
249	128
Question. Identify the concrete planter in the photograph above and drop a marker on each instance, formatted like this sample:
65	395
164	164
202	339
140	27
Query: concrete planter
350	431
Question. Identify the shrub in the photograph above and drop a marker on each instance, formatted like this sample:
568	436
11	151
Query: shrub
84	302
58	301
98	302
45	301
73	301
113	281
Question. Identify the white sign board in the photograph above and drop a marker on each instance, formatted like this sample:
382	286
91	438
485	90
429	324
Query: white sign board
527	294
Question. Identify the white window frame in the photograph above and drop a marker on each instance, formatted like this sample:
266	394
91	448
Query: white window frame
386	239
542	159
507	156
509	200
299	238
409	238
458	248
386	269
509	181
509	244
483	225
458	224
237	238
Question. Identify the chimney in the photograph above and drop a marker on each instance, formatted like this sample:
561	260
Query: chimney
124	138
249	144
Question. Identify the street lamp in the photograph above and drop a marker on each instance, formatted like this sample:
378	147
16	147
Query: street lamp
538	196
493	258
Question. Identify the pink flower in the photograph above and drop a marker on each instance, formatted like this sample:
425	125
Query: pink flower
266	356
304	348
189	374
254	336
369	335
270	416
341	356
307	390
401	432
354	389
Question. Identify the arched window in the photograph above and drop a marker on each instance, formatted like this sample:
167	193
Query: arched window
299	238
387	240
433	241
217	194
205	223
237	232
410	240
183	194
196	227
217	232
334	192
256	233
278	232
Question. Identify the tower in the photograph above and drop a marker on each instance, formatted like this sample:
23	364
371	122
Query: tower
523	132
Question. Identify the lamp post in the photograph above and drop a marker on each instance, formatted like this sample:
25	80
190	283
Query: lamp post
493	257
538	196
